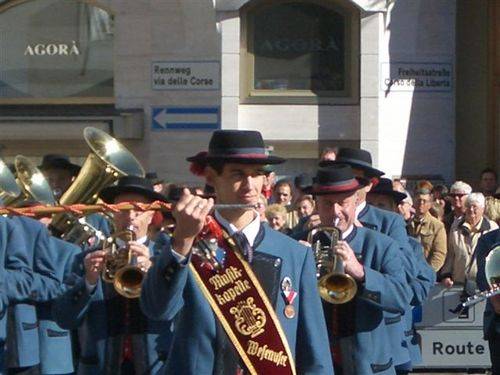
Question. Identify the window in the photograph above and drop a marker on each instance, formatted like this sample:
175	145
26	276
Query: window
300	51
55	52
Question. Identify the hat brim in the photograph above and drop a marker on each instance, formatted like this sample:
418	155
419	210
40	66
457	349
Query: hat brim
396	195
370	171
337	188
240	159
109	194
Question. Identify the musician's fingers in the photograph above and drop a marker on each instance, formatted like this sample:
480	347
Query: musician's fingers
195	206
185	198
205	210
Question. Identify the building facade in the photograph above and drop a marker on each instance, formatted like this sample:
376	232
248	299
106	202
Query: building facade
415	82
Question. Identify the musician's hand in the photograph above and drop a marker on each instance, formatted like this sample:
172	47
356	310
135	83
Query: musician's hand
351	265
190	214
313	222
305	243
141	251
93	263
447	282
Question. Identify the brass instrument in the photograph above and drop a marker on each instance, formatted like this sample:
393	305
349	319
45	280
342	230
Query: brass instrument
107	162
492	273
120	266
334	285
27	186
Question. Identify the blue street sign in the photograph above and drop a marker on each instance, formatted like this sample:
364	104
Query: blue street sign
187	118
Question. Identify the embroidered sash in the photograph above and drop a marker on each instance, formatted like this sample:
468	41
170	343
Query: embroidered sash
243	308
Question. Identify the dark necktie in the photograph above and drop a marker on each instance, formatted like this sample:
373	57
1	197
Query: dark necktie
243	245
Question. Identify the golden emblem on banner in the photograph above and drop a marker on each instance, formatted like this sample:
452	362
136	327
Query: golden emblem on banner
249	318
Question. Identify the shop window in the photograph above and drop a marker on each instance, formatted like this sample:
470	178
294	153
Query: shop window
55	52
300	52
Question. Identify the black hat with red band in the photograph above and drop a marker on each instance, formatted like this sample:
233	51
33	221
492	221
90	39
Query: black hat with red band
236	146
336	179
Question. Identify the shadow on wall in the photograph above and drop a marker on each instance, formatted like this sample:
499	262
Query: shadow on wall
420	79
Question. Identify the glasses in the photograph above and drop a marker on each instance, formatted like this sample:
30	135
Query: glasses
457	195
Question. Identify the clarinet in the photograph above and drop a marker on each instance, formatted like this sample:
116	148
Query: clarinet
475	299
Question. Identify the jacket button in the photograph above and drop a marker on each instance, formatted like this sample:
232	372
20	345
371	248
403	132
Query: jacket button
277	262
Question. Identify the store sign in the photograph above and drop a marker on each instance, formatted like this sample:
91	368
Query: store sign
52	49
454	349
185	75
416	77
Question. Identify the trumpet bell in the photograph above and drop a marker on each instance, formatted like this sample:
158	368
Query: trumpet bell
128	281
337	288
107	162
33	181
9	189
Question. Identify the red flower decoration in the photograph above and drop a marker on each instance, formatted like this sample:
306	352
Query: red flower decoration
198	167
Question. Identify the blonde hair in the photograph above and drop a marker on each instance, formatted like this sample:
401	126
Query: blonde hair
276	209
492	209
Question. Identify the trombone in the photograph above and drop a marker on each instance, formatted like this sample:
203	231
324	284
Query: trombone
334	285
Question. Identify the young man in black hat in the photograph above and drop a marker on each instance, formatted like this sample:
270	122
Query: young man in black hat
373	260
59	172
117	337
225	325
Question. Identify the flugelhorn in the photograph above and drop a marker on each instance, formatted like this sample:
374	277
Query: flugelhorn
27	186
107	162
334	285
120	265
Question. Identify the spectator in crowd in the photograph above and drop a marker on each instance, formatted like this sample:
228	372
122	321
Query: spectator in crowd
283	195
458	194
440	194
429	230
405	207
492	209
276	216
269	181
424	185
399	184
261	208
305	209
437	211
488	182
464	235
329	153
305	206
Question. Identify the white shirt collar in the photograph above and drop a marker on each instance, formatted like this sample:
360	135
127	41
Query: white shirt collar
250	231
347	232
360	208
142	240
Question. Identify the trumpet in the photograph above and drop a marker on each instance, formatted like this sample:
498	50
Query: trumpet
120	265
334	285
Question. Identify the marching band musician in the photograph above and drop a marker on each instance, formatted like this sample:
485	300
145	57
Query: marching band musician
59	172
16	276
385	197
390	224
115	337
361	341
250	302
